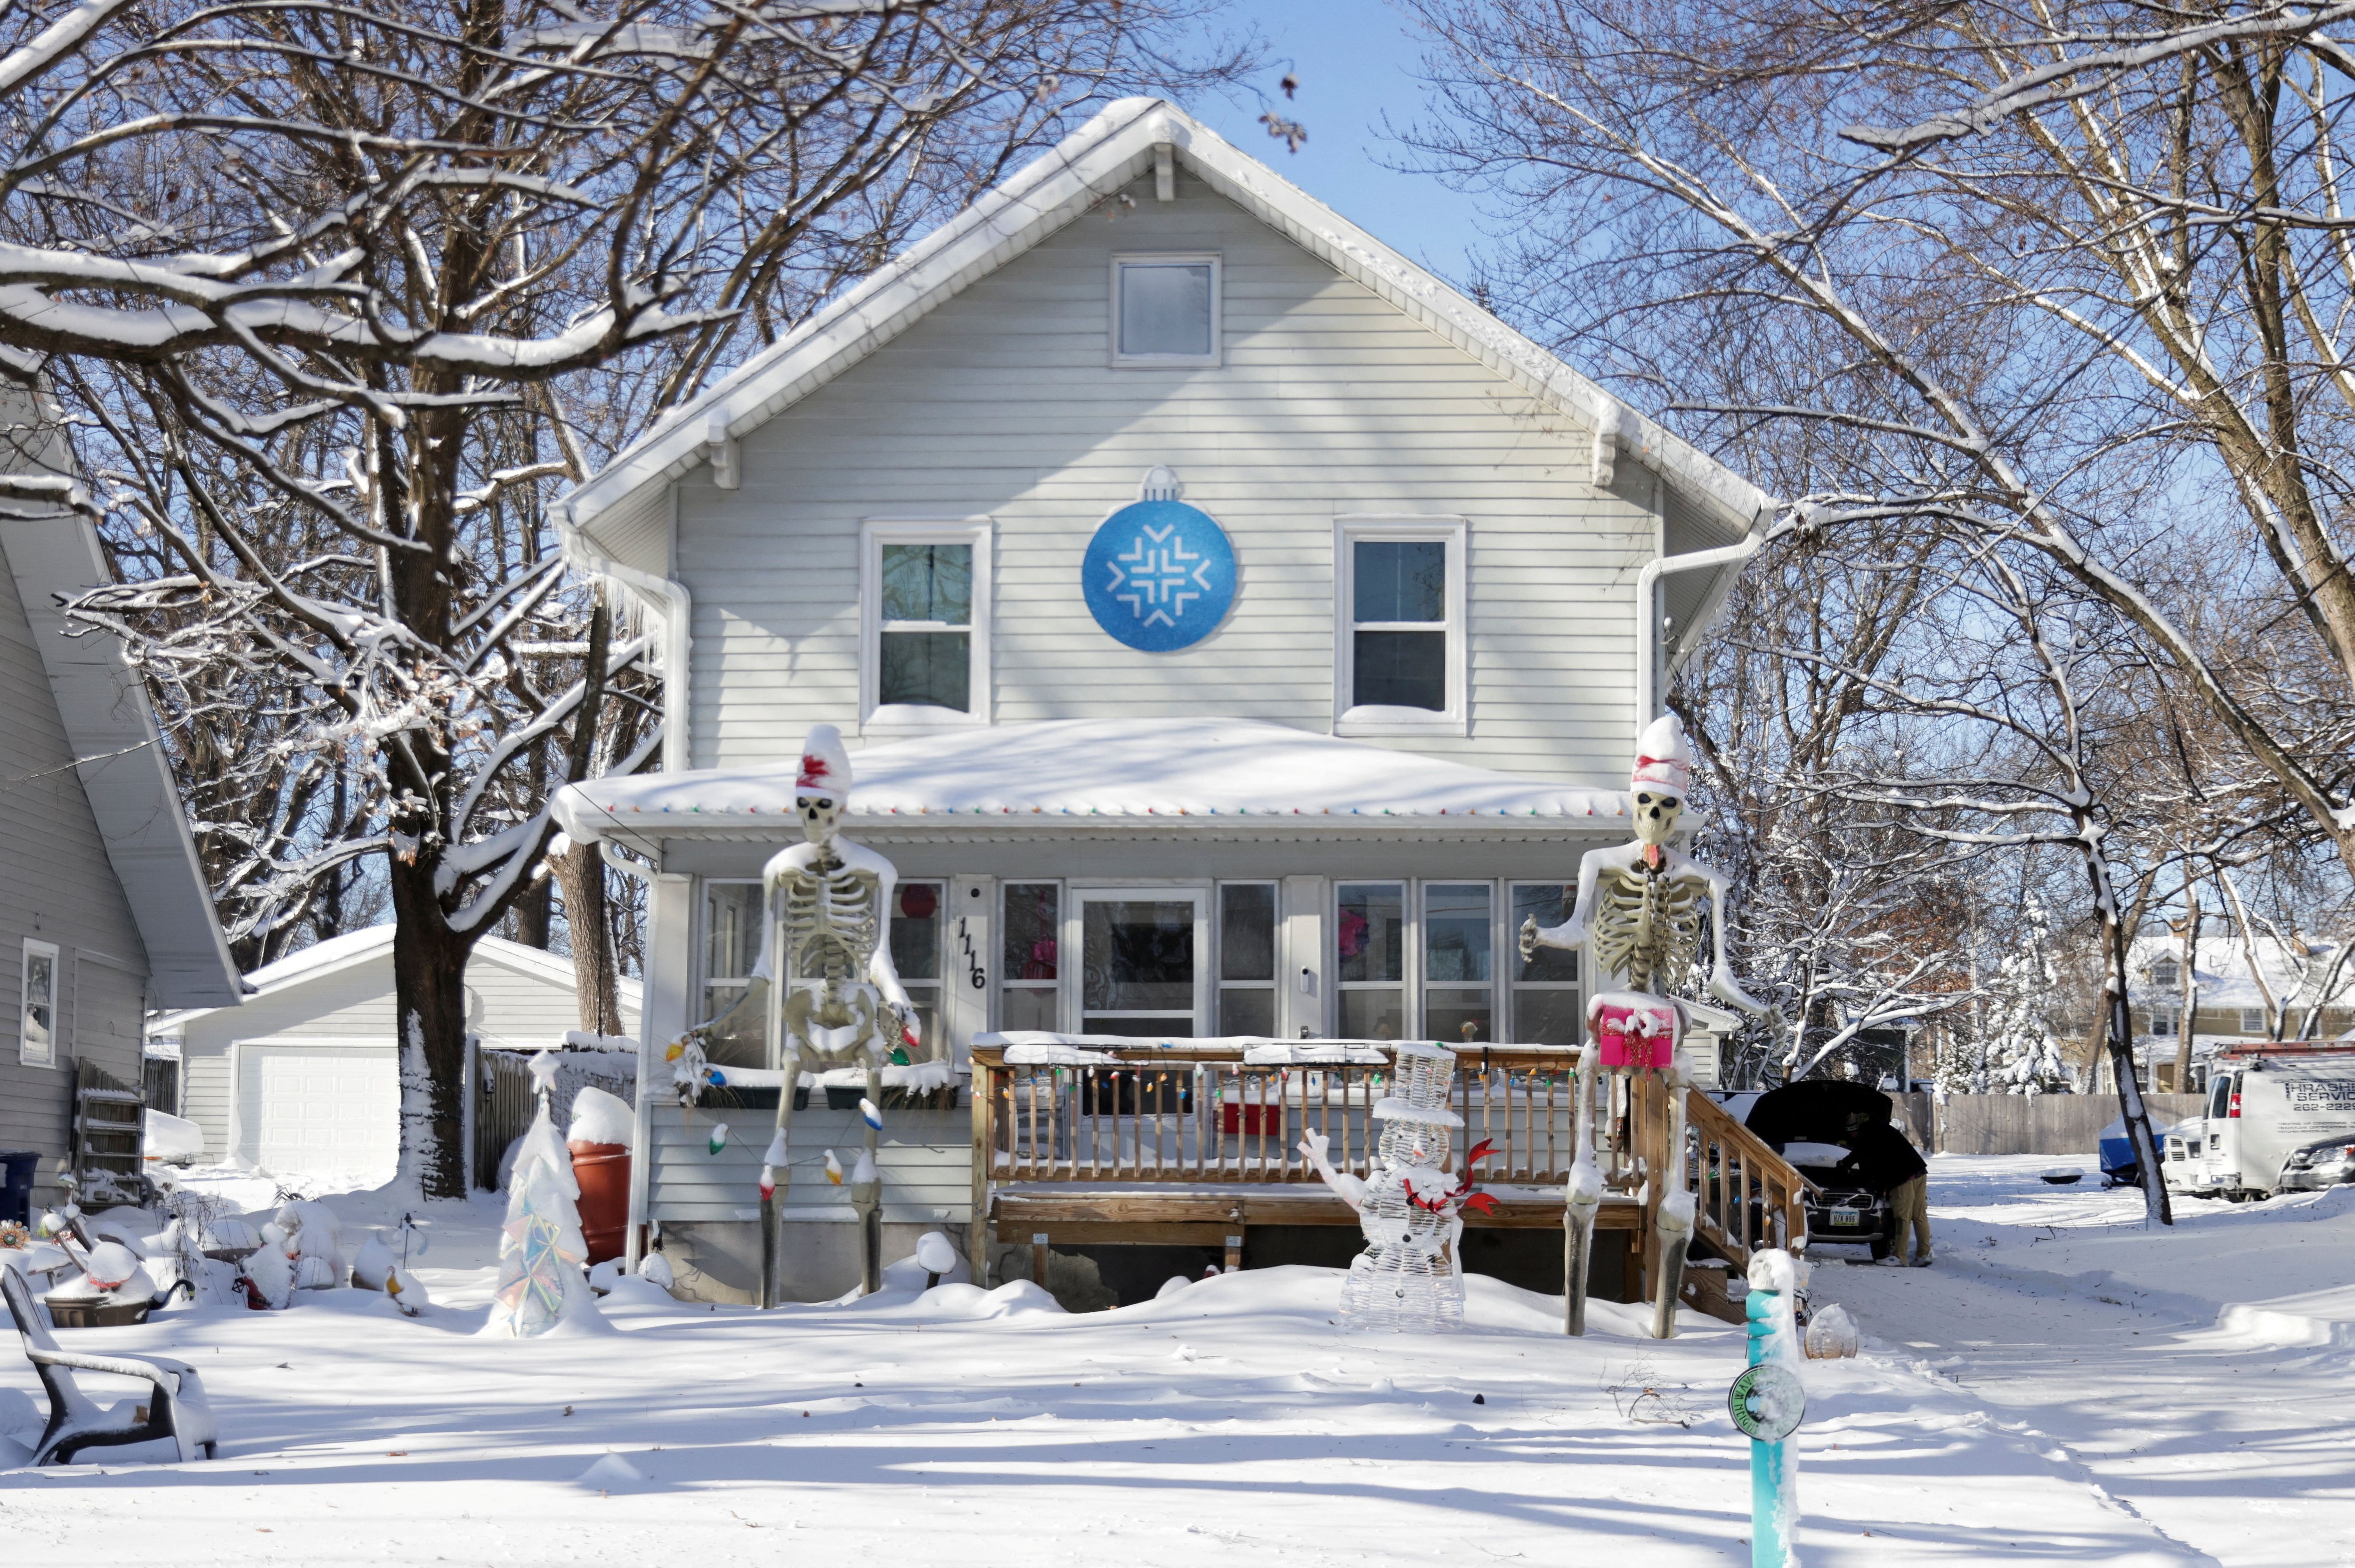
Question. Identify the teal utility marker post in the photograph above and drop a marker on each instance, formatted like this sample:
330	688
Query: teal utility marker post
1766	1403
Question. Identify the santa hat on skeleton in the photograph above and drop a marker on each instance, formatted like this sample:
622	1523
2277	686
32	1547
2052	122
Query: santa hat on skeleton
1664	758
825	765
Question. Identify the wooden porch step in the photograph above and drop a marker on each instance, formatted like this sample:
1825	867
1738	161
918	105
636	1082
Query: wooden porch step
1078	1215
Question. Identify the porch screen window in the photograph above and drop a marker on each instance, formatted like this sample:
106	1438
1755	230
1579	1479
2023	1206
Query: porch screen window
1369	947
1165	310
731	949
1026	965
926	635
1546	992
1246	958
36	1017
1136	966
916	954
1458	984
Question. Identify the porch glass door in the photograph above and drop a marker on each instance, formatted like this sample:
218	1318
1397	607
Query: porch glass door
1140	961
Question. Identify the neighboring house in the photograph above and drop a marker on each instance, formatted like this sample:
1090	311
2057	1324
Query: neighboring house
304	1078
2263	988
106	913
1323	720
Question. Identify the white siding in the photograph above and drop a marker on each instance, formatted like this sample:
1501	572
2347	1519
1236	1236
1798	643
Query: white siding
61	890
1330	401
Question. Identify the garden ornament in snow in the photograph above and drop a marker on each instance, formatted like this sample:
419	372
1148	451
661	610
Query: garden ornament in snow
1639	914
827	903
1410	1275
542	1252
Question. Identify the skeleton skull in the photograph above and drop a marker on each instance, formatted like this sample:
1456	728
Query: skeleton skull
820	815
1656	816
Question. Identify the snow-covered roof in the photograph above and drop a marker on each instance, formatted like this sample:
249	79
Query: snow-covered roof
337	954
1110	151
1178	774
53	551
2221	966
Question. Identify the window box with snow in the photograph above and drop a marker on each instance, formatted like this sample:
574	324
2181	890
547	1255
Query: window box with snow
1399	644
924	622
1165	310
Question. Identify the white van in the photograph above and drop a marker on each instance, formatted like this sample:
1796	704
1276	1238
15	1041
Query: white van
2265	1104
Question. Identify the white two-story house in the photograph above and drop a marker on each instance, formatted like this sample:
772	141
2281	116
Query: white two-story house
1237	632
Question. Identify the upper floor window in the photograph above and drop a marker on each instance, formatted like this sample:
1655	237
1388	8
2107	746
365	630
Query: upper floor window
924	606
1165	310
37	1016
1399	641
2166	972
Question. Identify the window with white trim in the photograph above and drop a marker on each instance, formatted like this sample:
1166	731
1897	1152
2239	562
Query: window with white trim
1370	943
731	951
36	1014
916	941
924	616
2162	1022
1246	943
1399	643
1030	930
1164	309
2253	1021
1546	985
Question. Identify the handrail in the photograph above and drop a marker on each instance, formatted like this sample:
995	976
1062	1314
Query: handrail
1750	1196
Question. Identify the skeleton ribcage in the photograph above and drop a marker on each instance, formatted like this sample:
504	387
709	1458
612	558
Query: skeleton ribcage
1647	927
833	923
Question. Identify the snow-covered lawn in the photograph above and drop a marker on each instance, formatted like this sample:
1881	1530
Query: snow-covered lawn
2004	1411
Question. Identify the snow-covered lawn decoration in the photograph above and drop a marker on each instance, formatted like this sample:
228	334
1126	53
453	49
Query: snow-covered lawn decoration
1409	1276
541	1253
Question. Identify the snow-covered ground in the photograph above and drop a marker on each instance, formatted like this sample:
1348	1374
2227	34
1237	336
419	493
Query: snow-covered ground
2062	1394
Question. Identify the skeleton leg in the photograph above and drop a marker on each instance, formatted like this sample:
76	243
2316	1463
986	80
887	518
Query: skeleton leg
775	1172
1672	1227
867	1197
1584	1197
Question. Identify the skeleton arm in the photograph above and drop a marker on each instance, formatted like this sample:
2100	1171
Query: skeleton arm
1721	983
1572	933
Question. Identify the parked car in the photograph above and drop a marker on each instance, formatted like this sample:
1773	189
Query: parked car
2267	1103
2327	1163
1807	1123
2177	1145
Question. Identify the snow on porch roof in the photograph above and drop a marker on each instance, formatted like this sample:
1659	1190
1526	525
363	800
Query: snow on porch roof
1156	772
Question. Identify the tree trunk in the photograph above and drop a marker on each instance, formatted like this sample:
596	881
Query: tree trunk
583	875
2118	1022
429	989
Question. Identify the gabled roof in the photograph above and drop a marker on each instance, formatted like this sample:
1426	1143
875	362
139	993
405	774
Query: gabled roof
53	551
353	948
1218	777
1112	151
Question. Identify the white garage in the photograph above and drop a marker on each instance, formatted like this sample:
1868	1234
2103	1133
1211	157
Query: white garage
329	1109
304	1080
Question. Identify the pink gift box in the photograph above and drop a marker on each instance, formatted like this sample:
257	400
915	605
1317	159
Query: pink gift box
1635	1032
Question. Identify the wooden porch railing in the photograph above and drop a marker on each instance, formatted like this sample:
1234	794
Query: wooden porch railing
1209	1112
1750	1197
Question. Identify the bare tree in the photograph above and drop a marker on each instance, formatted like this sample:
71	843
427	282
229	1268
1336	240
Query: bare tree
404	272
2077	276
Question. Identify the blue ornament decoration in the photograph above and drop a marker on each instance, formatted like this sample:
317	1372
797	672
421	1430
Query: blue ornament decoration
1159	576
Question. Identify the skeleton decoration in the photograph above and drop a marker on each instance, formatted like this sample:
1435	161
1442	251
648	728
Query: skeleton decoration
1410	1275
1638	915
827	902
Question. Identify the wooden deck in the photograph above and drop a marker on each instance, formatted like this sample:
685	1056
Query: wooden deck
1193	1142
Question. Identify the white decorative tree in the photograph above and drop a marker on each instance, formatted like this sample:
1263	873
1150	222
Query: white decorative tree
541	1251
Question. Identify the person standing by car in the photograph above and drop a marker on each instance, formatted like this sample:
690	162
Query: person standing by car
1884	1159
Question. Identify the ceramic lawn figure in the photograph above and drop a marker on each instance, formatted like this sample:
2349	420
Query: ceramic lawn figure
1638	917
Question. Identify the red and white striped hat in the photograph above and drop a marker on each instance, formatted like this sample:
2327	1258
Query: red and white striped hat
1664	757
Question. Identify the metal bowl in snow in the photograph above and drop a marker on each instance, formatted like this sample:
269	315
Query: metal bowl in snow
2065	1177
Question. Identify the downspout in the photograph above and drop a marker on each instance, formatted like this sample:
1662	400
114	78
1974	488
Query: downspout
1648	673
676	608
678	613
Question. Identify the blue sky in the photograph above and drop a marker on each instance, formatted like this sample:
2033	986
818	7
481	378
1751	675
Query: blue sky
1357	62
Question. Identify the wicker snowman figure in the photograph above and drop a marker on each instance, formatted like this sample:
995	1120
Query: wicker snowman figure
1409	1276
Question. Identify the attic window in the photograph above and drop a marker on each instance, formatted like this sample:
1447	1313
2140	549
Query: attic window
2166	972
1165	310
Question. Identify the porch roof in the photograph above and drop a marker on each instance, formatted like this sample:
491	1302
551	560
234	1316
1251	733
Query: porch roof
1211	775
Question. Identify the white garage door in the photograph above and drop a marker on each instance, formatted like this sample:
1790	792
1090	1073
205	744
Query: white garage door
320	1111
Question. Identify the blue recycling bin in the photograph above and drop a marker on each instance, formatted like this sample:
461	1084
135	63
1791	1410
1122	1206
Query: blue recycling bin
16	1184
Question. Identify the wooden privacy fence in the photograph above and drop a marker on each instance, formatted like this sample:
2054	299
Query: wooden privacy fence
2041	1124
